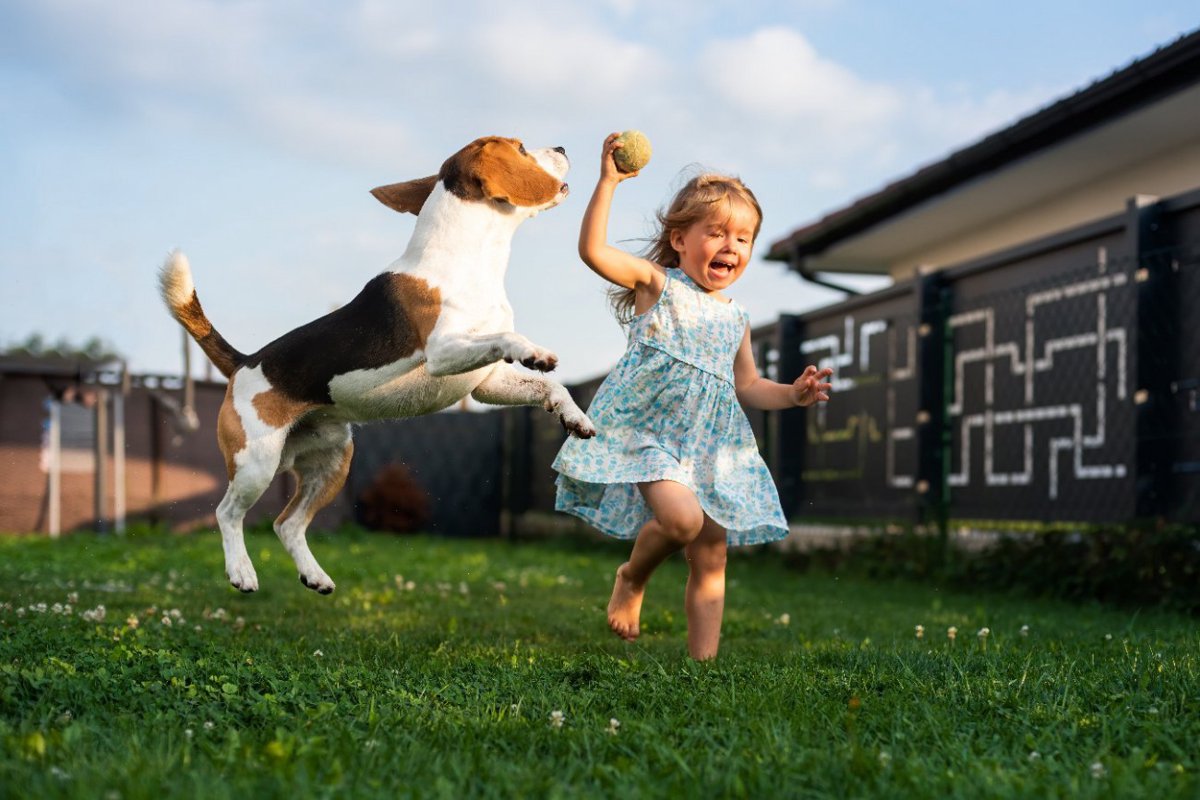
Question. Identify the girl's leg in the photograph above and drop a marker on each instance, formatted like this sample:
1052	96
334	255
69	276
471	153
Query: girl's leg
704	599
678	519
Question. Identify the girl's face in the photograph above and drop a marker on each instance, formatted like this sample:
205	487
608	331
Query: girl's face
715	251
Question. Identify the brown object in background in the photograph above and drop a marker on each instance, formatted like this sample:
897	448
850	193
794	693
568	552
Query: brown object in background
394	501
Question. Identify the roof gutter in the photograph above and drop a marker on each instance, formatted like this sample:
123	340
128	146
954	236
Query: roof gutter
800	265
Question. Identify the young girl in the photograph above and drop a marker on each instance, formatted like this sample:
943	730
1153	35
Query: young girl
675	463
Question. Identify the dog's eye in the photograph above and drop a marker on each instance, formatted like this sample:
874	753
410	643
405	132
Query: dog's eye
521	147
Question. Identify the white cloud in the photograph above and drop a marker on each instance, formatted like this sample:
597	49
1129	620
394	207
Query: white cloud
571	62
776	75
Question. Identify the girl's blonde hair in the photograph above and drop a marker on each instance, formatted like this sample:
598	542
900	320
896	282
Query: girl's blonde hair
702	197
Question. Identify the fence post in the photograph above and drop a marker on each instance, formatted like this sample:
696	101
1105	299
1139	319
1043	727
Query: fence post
100	474
1157	353
515	472
788	446
935	349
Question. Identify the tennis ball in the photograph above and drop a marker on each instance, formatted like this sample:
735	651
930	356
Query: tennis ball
634	152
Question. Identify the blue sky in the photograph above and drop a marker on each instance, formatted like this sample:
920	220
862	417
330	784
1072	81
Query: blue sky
249	133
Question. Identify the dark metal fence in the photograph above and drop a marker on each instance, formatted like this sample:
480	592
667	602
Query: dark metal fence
460	460
1057	381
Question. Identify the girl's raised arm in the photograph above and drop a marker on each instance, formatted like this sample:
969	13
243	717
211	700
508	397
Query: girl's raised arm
611	263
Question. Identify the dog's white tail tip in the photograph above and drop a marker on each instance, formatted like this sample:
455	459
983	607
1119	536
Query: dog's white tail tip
175	279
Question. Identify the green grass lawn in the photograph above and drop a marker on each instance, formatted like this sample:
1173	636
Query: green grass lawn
438	666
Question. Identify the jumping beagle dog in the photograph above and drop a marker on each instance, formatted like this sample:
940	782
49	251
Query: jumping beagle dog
432	329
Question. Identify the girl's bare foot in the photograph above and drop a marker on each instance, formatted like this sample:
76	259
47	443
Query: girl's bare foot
625	607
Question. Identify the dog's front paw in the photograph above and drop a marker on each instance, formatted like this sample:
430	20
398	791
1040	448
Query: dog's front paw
578	424
242	575
542	361
530	355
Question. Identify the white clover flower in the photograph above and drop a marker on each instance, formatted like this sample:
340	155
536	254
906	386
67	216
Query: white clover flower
1024	630
166	621
613	725
131	621
187	732
983	633
1034	755
463	588
209	725
60	774
951	632
174	613
317	654
96	614
1098	770
784	619
556	719
920	631
57	608
1108	637
73	598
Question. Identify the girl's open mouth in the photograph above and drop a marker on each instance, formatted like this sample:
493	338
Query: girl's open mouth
721	267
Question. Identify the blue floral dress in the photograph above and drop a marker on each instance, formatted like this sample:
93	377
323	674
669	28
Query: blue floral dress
668	410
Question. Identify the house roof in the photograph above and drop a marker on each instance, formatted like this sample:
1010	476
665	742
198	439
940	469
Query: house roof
1140	88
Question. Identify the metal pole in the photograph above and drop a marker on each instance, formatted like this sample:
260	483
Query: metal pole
100	471
189	391
54	501
119	453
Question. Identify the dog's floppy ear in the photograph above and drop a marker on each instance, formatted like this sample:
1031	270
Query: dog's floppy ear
406	197
505	177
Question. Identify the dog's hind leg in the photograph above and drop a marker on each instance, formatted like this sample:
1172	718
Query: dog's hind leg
251	464
507	386
255	469
321	464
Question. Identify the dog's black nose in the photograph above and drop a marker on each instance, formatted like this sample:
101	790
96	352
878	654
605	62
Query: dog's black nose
562	150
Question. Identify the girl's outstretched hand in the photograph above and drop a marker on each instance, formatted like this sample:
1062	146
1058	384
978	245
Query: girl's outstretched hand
608	167
812	386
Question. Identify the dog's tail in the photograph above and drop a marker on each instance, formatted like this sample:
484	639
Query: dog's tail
179	293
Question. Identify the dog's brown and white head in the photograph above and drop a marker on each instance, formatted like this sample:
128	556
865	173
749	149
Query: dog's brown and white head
492	169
